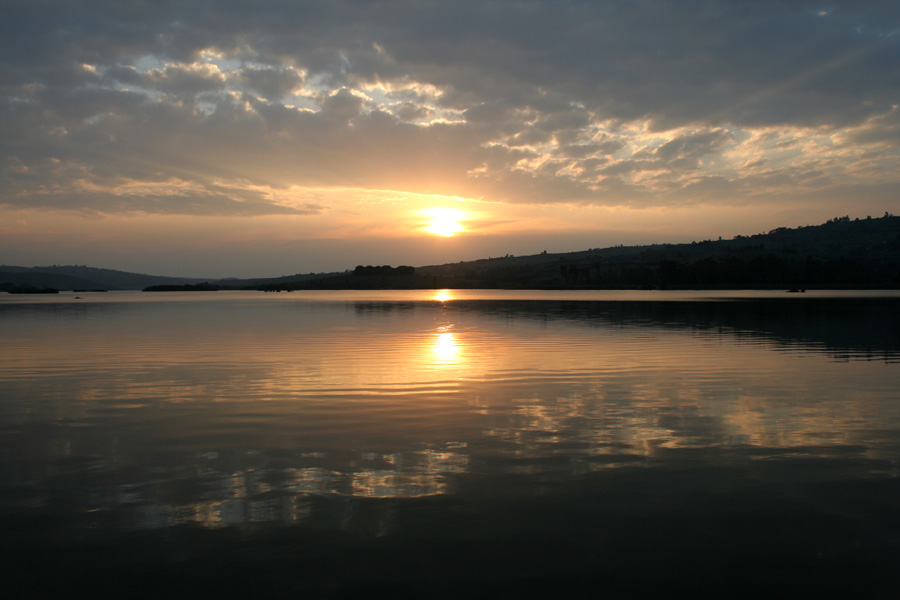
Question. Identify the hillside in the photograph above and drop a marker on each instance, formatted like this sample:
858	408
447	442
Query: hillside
841	253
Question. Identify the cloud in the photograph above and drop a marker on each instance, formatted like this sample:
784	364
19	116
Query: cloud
271	83
879	131
605	103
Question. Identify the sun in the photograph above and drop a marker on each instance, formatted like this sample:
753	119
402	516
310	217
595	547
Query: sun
444	221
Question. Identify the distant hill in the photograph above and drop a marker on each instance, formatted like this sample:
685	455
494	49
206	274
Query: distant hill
91	278
83	278
841	253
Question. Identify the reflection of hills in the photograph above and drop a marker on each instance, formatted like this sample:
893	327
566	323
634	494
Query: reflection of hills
859	329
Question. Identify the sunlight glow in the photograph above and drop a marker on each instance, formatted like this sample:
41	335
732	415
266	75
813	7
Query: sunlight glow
444	221
442	295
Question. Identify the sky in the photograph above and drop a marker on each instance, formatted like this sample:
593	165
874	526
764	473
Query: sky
226	138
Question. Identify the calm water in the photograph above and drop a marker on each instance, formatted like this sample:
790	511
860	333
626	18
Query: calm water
426	443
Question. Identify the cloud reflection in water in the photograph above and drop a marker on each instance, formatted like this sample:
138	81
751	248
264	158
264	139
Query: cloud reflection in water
294	403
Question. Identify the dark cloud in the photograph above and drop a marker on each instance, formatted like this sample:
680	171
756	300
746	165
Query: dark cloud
343	104
409	111
206	202
184	81
271	83
704	57
882	130
686	151
604	146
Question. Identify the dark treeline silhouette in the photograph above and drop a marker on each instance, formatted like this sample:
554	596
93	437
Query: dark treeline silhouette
361	278
26	289
383	271
200	287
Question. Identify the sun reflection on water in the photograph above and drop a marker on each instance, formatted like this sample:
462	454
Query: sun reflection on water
445	347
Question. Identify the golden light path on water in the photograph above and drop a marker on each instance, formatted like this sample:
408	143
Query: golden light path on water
446	348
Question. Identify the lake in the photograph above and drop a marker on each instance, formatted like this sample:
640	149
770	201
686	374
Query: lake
436	443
